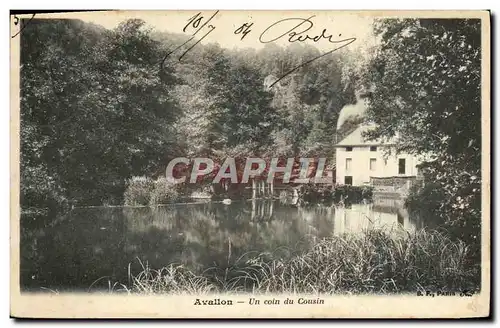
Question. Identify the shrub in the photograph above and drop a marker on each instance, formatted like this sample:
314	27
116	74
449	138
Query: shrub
456	213
163	192
432	196
138	191
40	192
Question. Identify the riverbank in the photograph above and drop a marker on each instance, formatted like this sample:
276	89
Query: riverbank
372	262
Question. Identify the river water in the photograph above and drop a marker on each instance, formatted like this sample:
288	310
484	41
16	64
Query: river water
94	246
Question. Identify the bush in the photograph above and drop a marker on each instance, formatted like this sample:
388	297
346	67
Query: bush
426	201
456	213
40	192
138	191
163	192
146	191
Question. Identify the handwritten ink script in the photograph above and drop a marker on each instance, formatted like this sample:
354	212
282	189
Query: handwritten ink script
300	31
16	22
297	30
194	26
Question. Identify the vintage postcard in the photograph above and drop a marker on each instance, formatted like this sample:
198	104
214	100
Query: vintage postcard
250	164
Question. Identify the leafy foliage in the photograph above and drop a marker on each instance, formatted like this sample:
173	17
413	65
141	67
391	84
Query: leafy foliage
427	92
94	110
138	191
164	192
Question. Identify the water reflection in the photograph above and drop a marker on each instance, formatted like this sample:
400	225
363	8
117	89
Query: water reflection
89	244
360	217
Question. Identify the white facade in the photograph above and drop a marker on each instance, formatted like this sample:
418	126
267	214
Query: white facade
362	162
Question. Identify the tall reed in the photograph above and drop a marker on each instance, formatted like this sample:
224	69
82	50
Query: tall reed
369	263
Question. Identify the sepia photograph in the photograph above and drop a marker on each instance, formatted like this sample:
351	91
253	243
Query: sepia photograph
250	164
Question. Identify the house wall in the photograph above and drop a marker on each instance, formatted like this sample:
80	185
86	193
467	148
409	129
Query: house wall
385	166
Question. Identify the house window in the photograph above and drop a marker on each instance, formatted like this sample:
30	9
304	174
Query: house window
348	164
348	148
402	166
348	180
373	148
373	164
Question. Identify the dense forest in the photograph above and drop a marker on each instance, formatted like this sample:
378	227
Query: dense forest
99	106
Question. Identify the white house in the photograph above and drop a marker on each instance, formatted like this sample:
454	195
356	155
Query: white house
358	160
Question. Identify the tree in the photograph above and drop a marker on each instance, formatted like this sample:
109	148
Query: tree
55	77
94	110
97	108
427	92
249	118
138	98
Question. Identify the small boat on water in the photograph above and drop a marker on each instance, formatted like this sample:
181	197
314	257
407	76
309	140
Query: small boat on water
226	201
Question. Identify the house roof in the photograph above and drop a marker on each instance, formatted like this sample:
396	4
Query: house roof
356	138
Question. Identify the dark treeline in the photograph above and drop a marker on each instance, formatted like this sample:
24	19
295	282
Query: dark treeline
96	109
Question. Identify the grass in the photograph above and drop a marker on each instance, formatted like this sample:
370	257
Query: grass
173	279
374	262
